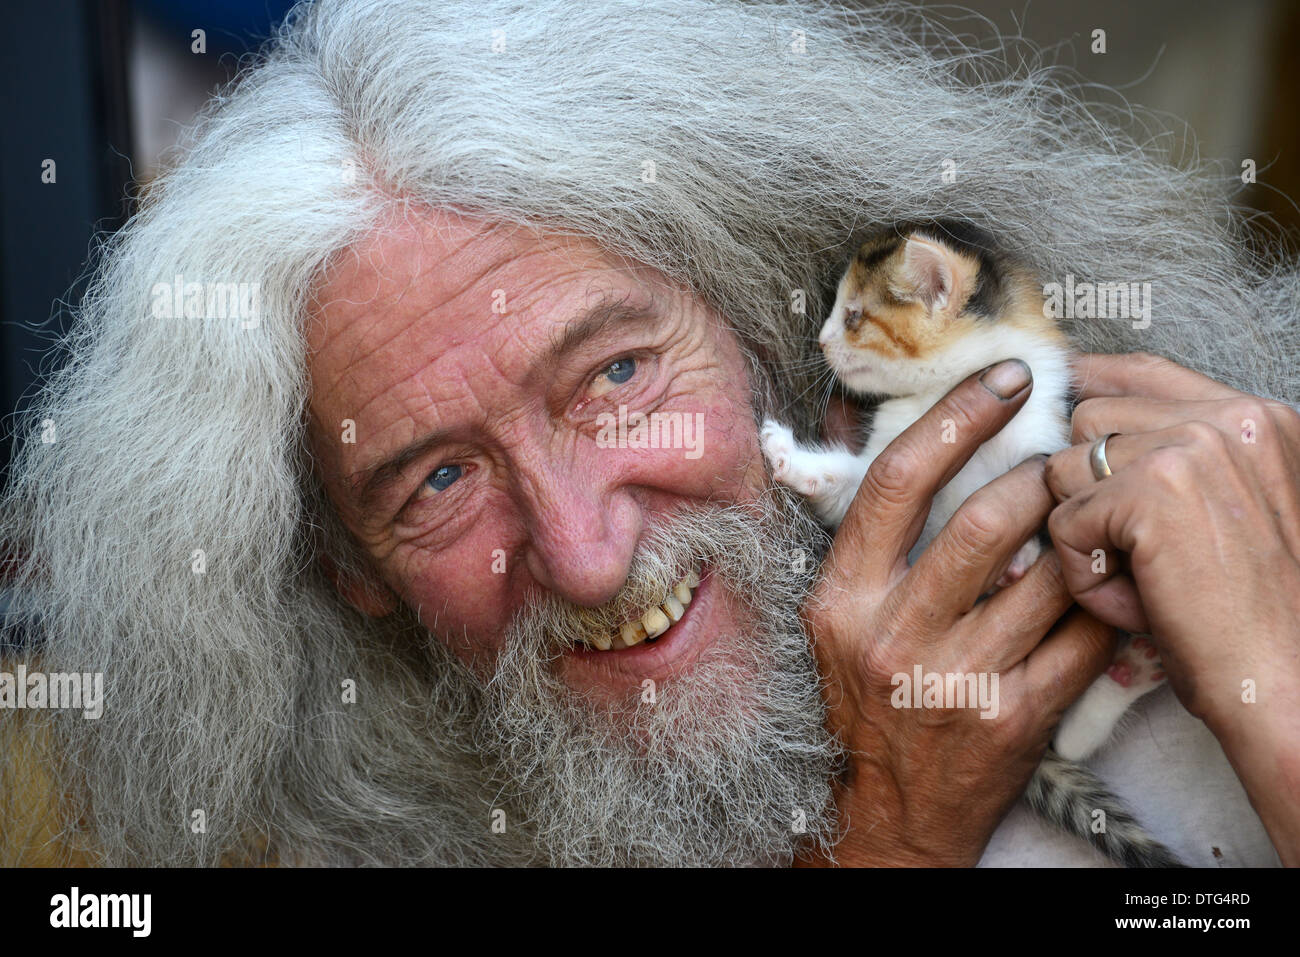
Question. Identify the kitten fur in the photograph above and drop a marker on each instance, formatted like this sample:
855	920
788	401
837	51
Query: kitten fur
919	308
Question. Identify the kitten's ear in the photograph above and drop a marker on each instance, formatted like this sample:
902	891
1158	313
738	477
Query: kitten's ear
932	270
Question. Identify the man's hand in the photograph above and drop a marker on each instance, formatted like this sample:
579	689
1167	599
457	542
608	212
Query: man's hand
928	787
1195	538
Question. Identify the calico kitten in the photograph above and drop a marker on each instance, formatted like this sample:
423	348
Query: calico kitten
918	310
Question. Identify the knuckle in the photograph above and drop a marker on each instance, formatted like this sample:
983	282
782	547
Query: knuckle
879	662
960	406
1059	518
1060	525
979	525
819	618
1054	472
893	474
1083	418
1170	468
1248	407
1051	577
1203	437
1020	725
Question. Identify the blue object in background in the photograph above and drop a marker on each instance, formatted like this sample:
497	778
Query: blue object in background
233	26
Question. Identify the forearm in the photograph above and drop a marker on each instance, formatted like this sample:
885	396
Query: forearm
1263	747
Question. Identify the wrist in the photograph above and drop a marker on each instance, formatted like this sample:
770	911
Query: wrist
879	829
1262	743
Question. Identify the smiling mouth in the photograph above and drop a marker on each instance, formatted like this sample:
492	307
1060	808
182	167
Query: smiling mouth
653	622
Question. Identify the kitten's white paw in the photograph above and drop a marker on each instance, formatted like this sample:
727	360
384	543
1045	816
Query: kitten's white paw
809	472
810	483
778	446
1027	555
1137	667
1090	721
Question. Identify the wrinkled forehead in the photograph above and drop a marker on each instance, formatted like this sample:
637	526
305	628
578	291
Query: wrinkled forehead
443	283
442	260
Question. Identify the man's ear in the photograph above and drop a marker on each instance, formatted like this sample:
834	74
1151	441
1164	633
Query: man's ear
364	593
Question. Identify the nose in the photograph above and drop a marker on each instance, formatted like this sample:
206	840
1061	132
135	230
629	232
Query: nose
581	536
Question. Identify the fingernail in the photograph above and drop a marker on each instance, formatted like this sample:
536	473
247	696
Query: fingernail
1007	379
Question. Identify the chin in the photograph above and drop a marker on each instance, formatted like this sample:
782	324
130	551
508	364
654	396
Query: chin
860	375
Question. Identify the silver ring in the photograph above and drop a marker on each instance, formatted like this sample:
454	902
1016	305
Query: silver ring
1100	467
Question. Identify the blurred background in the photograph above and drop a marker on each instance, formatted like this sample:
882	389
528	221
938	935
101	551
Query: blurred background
101	88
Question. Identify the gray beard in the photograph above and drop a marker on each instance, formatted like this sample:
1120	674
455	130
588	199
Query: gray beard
729	763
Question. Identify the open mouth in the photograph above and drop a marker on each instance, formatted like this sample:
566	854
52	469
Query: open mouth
653	622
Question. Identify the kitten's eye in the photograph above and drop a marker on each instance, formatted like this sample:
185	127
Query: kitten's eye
616	373
443	477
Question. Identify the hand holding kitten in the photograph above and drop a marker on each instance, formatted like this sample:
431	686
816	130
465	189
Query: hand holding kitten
873	615
916	310
1200	527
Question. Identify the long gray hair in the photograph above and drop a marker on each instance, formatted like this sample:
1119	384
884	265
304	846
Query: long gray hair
738	148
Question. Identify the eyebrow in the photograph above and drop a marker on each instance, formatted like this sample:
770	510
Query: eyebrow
598	319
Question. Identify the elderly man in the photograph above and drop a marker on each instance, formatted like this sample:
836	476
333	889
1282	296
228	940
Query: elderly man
374	572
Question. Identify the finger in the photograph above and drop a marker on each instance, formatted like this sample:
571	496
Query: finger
1069	472
1072	656
1084	530
980	539
1015	619
1266	434
1097	417
1140	374
888	513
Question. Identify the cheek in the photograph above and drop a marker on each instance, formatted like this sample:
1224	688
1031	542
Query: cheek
858	338
737	461
868	338
462	592
722	461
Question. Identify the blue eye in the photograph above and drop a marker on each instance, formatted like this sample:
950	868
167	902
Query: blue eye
443	477
620	371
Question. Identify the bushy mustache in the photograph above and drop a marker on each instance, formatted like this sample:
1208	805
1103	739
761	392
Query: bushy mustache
743	544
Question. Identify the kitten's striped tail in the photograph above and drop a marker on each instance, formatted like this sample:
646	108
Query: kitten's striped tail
1068	795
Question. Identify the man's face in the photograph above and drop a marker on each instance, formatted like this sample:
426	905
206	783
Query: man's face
476	365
